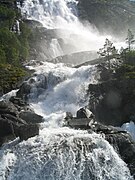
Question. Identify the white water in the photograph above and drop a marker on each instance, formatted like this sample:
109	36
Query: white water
60	153
56	14
63	154
67	96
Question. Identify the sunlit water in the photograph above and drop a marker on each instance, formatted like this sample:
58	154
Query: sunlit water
62	15
61	153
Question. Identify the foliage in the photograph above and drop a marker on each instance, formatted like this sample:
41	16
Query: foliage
108	51
127	56
125	71
14	45
9	76
7	17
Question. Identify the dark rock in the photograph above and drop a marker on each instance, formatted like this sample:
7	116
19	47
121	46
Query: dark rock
12	126
13	118
3	104
5	127
113	101
68	115
125	146
32	87
7	107
17	101
82	123
84	113
28	131
31	117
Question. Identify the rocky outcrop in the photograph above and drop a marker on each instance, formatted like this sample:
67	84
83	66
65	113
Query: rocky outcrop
17	120
30	117
33	87
108	16
125	146
113	101
84	113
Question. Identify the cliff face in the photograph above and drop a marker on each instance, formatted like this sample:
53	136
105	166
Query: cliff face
108	15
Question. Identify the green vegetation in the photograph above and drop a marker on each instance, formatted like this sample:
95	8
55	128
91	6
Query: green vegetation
10	76
130	39
14	46
108	51
125	69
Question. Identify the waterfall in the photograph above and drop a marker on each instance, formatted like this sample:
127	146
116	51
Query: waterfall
58	152
62	15
61	153
51	13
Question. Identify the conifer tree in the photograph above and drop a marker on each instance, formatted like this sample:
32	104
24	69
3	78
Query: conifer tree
130	39
108	51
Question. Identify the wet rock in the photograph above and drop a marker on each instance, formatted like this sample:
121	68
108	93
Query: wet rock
32	87
17	101
125	146
28	131
69	115
5	127
7	107
84	113
15	121
82	123
13	118
30	117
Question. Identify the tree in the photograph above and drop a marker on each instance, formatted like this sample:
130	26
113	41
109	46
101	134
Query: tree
108	51
130	39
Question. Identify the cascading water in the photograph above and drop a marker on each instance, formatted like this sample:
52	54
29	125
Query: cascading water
60	153
61	15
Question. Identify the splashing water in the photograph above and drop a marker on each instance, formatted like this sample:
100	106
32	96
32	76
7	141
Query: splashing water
61	153
62	15
66	90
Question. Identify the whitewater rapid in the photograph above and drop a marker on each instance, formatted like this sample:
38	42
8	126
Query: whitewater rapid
66	90
58	152
61	153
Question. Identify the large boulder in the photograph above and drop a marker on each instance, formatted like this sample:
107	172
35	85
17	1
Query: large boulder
15	121
28	131
7	107
113	101
33	87
7	130
84	113
31	117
